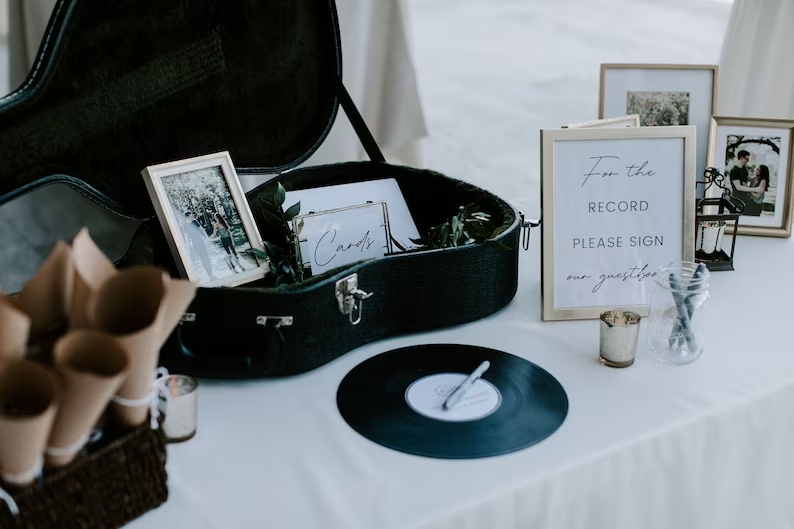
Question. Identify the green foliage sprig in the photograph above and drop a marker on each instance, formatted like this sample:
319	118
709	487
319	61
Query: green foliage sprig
281	250
468	226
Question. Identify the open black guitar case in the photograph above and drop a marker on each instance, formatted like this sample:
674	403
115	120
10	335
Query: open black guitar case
124	84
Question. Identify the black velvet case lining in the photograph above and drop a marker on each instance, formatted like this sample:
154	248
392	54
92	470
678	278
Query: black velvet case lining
432	198
125	84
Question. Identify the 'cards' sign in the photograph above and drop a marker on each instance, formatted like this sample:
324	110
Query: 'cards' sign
330	239
617	204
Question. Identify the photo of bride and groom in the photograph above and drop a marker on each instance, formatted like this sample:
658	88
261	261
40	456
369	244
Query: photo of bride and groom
751	165
210	231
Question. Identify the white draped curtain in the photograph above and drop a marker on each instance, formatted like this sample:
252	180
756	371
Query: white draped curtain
756	68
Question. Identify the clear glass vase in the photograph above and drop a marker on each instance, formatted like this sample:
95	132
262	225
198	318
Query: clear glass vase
678	303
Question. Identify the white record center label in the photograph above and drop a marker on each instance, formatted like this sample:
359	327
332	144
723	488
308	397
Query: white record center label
426	397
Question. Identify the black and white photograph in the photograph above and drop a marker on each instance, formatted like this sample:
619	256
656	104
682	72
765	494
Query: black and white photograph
207	220
754	155
659	108
751	166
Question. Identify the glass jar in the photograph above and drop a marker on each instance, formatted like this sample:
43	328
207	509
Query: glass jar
678	302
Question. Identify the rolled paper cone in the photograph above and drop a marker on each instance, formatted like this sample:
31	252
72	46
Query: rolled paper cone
140	307
46	296
29	395
14	330
91	269
179	295
92	366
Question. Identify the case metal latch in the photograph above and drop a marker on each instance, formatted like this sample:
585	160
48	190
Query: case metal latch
188	317
526	227
351	298
274	321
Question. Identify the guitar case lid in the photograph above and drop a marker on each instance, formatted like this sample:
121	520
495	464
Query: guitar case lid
118	86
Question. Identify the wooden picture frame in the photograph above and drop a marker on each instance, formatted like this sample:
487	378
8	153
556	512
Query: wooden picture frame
770	143
625	196
641	82
632	120
189	196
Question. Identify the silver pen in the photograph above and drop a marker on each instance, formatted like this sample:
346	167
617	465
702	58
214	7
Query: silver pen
461	390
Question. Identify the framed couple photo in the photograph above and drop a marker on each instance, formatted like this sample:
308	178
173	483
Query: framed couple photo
755	155
206	220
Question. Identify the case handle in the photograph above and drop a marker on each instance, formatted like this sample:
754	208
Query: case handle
266	360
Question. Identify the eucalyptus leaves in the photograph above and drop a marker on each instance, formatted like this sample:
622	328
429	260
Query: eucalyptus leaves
468	226
281	246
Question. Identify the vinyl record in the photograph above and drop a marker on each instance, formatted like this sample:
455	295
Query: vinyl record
395	399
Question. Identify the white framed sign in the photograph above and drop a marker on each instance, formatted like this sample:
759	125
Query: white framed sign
617	205
330	239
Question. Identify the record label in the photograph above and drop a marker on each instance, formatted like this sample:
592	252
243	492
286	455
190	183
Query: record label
426	396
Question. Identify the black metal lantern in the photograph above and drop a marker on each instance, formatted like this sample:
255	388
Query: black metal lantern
712	217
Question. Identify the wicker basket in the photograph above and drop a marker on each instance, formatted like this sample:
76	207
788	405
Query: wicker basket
107	489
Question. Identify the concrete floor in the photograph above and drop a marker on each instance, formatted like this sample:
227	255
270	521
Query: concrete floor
492	74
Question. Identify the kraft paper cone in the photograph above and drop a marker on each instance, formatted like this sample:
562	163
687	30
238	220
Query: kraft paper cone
14	330
92	366
140	307
91	270
28	402
47	295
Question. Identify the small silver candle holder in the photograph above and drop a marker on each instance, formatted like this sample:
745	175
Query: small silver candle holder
181	411
620	331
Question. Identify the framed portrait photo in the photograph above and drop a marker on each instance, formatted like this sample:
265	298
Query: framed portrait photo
663	95
632	120
206	220
617	205
755	155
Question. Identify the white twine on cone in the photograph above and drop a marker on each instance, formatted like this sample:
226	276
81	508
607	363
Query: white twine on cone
12	505
24	478
159	388
67	451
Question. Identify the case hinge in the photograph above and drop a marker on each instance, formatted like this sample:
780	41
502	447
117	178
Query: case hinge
274	321
351	298
265	321
526	227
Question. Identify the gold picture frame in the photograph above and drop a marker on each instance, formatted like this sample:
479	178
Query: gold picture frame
205	187
718	158
548	139
701	101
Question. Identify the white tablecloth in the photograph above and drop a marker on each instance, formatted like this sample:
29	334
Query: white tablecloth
709	445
